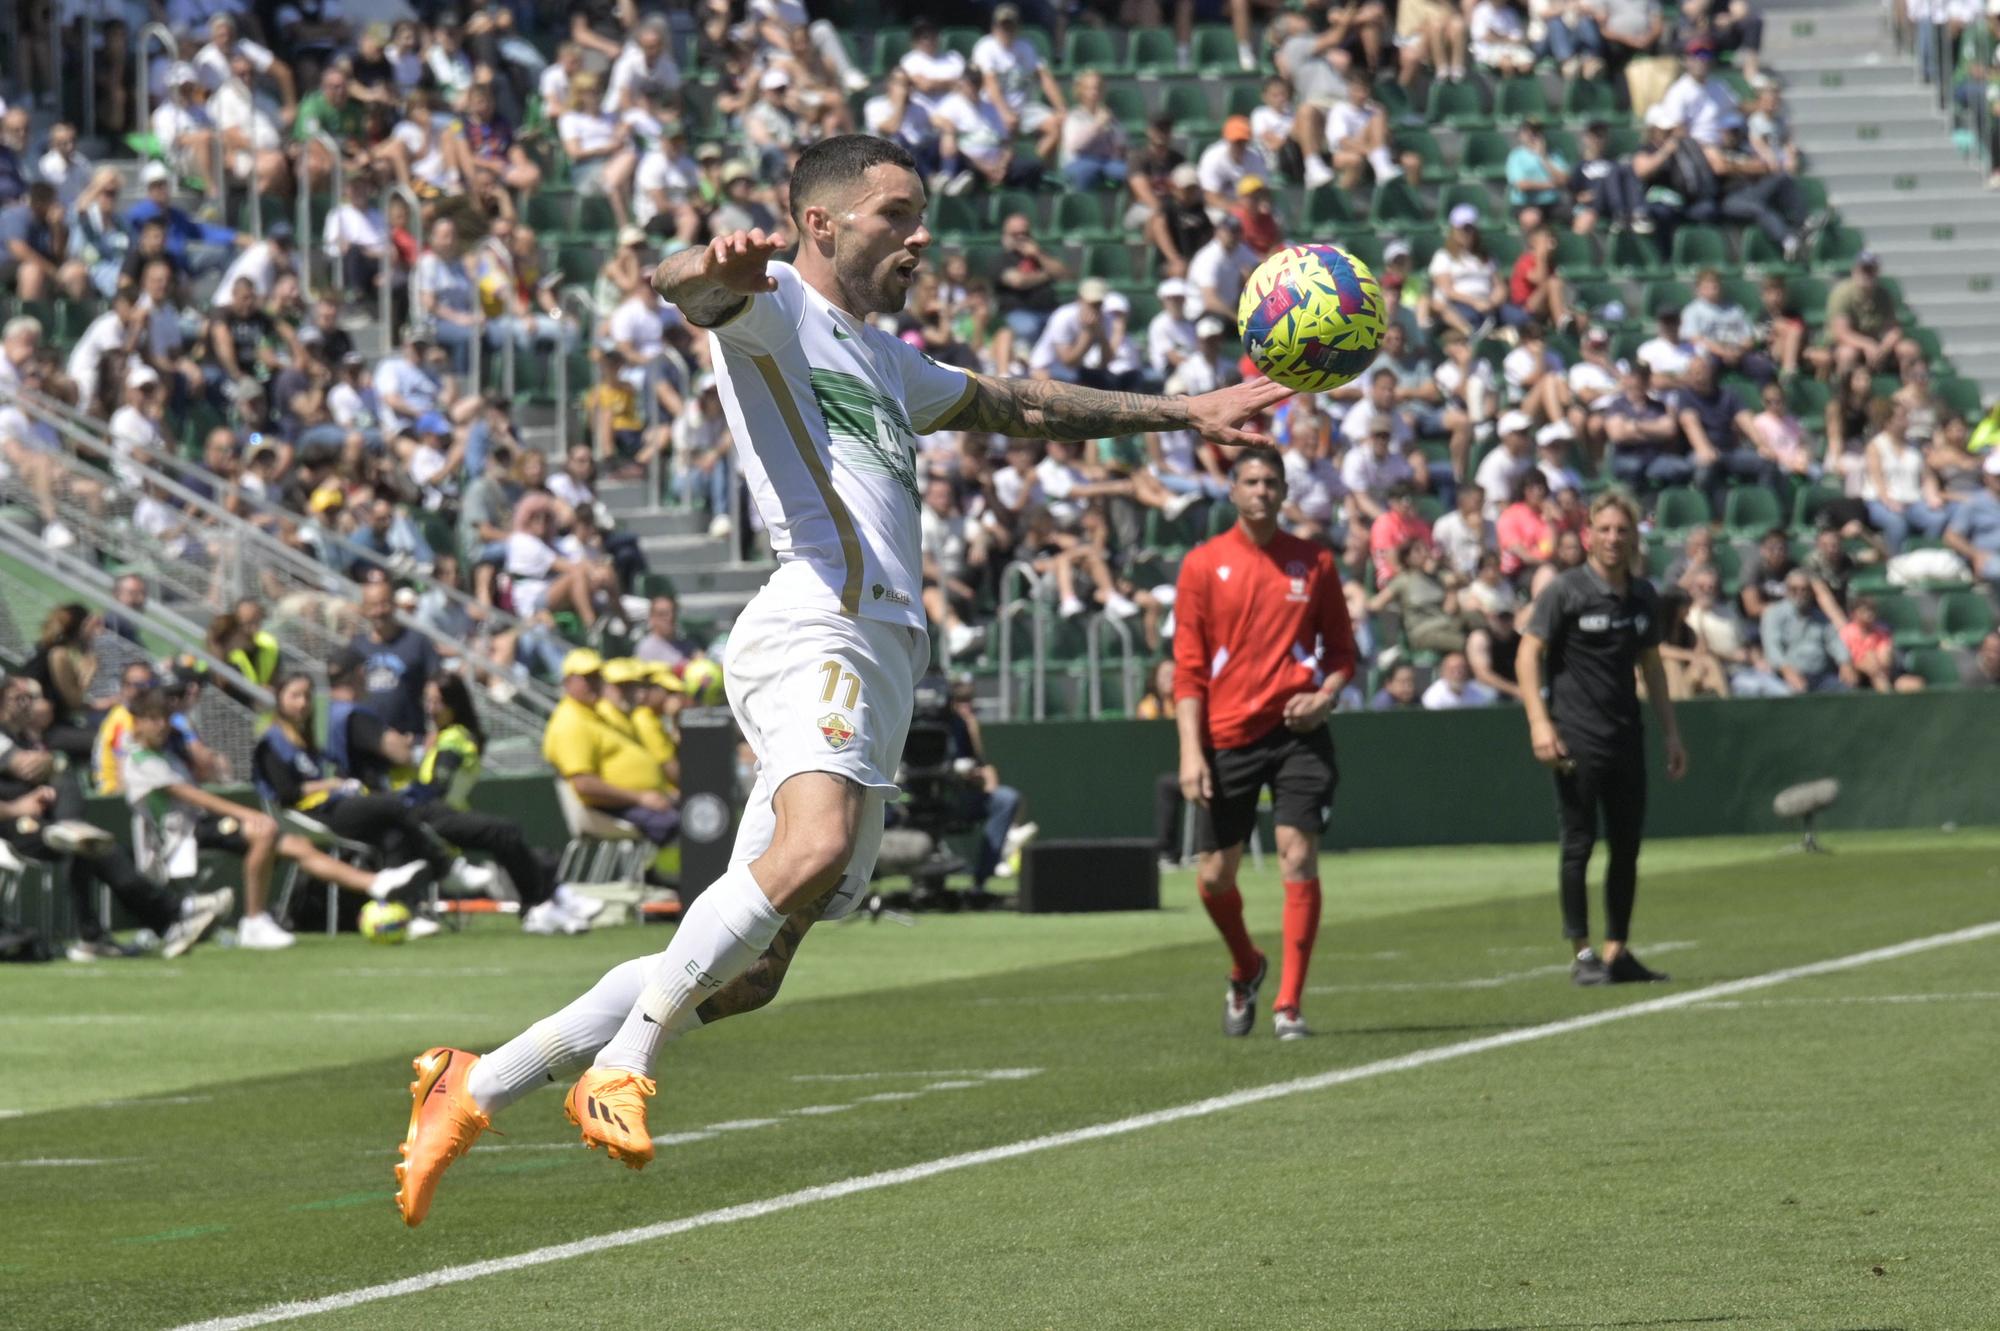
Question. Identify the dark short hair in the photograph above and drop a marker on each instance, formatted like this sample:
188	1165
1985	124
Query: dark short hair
1261	454
151	705
839	163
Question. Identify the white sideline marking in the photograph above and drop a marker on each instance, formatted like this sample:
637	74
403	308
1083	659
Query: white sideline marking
138	1101
740	1125
1971	996
890	1178
813	1110
54	1162
990	1074
13	1113
1479	981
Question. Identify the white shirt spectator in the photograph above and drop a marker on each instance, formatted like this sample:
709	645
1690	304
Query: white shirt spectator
943	540
981	136
1453	536
66	175
349	227
104	337
352	408
260	263
1454	382
1520	363
1663	357
212	61
1590	382
133	431
630	67
1499	472
1497	32
1219	168
1471	275
1168	340
674	177
1218	268
1364	473
1015	66
529	562
588	130
1344	120
426	149
1700	108
1360	419
1064	326
915	130
172	120
396	377
1314	485
943	64
445	280
1057	480
1017	492
1265	122
554	85
1442	697
637	323
251	114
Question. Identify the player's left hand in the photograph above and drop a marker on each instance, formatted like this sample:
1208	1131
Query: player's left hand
1215	416
1677	758
1307	711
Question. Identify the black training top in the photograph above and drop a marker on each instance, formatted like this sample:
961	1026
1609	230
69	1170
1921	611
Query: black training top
1594	638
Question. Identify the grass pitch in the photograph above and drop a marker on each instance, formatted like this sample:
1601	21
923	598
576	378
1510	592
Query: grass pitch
188	1142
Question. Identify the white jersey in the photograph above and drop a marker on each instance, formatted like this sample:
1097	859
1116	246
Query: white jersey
825	409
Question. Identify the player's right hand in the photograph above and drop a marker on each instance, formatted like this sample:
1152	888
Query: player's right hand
736	261
1549	749
1197	784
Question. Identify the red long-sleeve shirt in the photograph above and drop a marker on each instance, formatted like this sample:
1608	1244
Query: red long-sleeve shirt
1254	626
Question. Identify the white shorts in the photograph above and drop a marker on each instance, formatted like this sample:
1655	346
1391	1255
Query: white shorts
815	691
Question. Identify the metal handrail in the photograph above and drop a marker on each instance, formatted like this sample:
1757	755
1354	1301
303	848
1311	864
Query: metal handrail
1127	678
308	244
88	33
416	207
1038	635
265	552
142	73
256	227
588	308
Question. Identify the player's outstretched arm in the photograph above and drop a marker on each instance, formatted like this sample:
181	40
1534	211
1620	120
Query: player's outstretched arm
1047	409
710	284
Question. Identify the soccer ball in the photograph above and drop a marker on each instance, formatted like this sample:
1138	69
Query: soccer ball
1311	317
703	680
385	921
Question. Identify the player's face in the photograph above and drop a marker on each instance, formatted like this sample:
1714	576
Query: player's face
1258	491
1611	537
880	238
151	731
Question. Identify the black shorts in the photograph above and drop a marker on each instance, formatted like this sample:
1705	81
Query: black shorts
221	833
1298	768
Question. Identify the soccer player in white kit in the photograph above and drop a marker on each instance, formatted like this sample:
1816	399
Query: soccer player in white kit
823	664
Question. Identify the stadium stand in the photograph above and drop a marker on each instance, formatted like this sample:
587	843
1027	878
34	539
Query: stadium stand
401	286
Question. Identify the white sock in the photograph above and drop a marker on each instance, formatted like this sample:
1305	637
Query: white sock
563	1043
729	926
1384	164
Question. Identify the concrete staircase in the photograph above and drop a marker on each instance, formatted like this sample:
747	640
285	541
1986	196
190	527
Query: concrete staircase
1873	131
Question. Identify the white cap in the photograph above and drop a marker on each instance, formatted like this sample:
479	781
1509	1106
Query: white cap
1183	175
154	173
1394	250
1464	214
1114	303
1661	116
1211	326
181	72
1516	422
1176	289
775	78
141	375
1093	290
1555	432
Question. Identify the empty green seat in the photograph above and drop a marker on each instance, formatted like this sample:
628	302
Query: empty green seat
1112	262
1938	668
1681	510
1080	219
1462	105
1153	52
1128	103
1522	99
1416	139
1904	618
1665	295
1964	618
956	216
1215	50
1327	206
1697	247
1634	256
1484	154
1750	511
1092	48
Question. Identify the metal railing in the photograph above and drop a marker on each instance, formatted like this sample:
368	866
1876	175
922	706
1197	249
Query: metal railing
256	218
1128	665
587	308
226	715
1937	64
416	207
314	607
142	74
307	242
1010	609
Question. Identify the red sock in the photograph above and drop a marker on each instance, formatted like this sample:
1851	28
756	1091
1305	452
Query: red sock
1301	927
1226	909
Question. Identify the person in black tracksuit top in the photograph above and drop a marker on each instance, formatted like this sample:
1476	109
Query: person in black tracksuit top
1596	623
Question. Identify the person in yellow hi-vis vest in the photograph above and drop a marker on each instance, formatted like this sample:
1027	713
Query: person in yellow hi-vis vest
637	701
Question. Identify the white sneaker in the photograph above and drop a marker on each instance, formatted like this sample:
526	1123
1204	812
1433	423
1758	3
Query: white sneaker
198	915
1018	836
721	526
58	537
1290	1026
962	639
550	919
422	926
1119	606
73	836
263	934
388	881
470	880
1318	173
1180	504
578	905
1070	608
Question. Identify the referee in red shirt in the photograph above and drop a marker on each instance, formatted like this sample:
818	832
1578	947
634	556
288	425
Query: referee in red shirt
1262	649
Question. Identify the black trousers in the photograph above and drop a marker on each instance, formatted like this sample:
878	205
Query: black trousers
496	837
152	905
1615	785
388	824
1169	808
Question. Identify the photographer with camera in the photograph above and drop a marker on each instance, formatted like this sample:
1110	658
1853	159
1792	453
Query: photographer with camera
948	785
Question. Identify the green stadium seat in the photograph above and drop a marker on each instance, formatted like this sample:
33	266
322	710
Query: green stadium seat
1634	256
1576	257
1592	99
1451	196
1005	203
1837	247
1903	617
1697	247
1113	262
960	39
1039	39
1681	510
1416	139
1144	306
1128	103
891	45
1503	247
1930	343
1242	99
982	258
1964	618
1750	511
1215	51
1152	52
1564	144
1193	113
594	218
1808	500
1327	207
1761	255
1665	295
1398	204
1460	105
1522	99
579	263
1938	668
1962	395
1079	219
957	216
1365	246
1484	154
1396	101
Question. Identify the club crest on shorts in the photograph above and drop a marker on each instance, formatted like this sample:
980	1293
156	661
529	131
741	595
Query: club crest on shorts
839	731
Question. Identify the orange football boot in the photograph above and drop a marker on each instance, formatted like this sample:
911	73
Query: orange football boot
610	1106
444	1123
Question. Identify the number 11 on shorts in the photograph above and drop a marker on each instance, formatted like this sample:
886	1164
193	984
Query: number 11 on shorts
838	675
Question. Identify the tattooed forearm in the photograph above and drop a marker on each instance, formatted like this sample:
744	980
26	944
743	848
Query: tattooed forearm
759	985
1046	409
706	302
